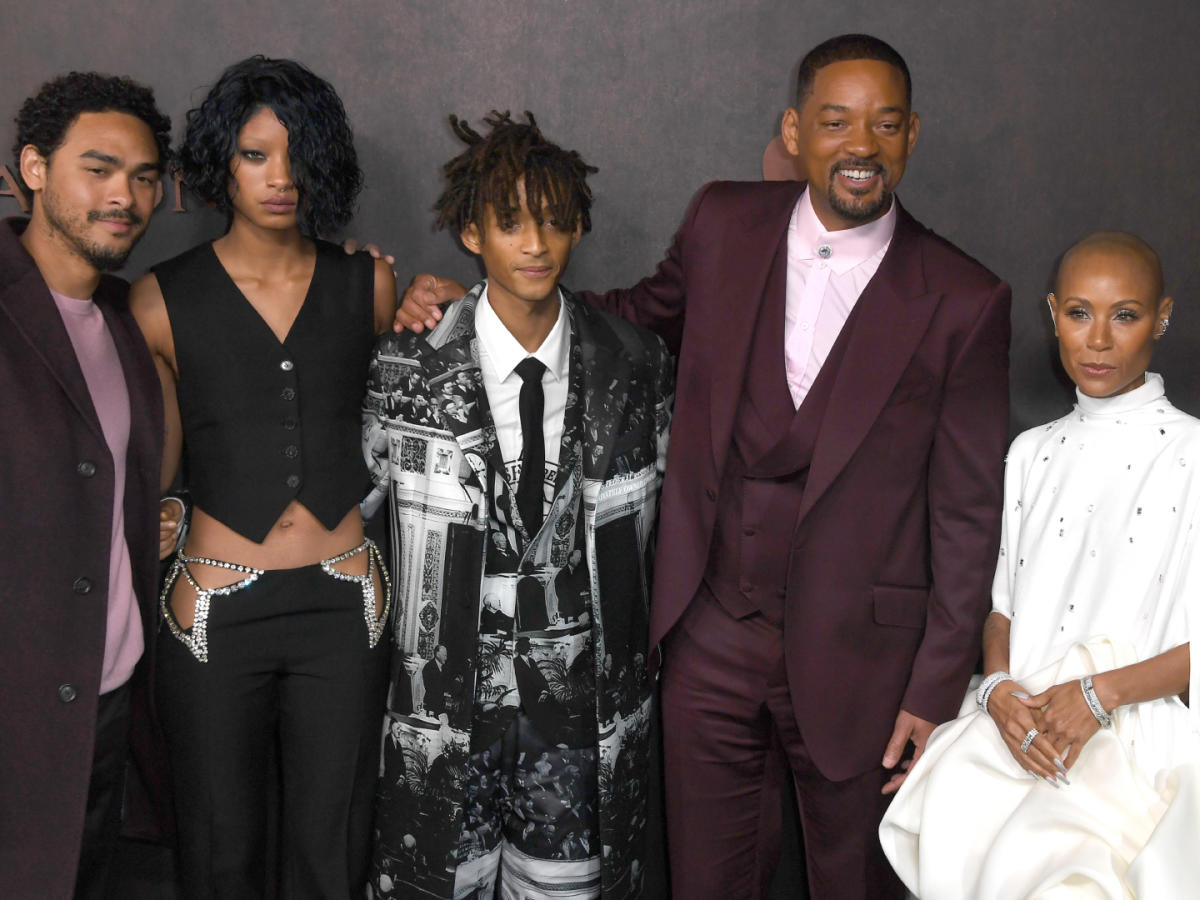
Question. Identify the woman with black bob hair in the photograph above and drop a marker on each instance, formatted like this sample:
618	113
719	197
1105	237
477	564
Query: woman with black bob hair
274	608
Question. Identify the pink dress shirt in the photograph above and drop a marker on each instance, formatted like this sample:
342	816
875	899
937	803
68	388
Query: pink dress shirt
826	273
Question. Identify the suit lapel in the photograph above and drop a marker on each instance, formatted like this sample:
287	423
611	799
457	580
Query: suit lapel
892	316
605	374
32	311
748	252
455	383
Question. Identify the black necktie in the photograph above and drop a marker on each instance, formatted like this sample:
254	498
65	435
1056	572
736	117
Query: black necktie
533	445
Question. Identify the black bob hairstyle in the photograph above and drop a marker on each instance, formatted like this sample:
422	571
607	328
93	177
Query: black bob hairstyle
45	118
844	48
321	151
487	172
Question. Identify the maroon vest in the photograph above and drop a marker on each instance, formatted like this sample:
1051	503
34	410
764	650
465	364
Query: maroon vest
767	466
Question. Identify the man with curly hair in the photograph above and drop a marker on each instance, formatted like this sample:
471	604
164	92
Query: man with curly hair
555	448
79	459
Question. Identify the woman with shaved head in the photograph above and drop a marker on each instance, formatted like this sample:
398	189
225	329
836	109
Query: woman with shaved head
1072	770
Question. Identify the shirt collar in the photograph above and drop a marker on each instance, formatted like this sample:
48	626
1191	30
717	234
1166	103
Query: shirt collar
504	352
848	248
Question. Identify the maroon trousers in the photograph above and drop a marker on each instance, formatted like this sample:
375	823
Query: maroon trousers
728	732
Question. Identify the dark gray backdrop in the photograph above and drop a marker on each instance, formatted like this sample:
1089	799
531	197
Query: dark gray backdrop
1041	120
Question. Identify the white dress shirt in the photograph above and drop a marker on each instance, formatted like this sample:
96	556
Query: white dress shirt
499	355
826	273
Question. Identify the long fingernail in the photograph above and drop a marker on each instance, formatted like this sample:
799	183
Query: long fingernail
1050	780
1061	767
1021	694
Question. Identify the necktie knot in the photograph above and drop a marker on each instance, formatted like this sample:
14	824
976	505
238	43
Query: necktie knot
530	369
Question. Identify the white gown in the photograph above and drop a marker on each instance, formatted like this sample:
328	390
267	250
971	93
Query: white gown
1098	568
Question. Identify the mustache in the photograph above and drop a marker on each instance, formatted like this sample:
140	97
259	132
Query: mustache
129	218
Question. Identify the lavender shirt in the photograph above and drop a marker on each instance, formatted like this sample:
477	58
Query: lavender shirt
97	355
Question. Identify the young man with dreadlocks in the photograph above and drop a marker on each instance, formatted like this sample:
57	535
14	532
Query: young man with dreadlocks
528	415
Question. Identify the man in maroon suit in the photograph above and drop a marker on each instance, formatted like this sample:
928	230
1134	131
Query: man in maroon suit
830	514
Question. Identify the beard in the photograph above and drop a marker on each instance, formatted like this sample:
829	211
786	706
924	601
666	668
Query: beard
859	208
71	227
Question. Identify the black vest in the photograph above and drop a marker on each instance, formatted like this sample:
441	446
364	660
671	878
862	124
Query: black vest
265	423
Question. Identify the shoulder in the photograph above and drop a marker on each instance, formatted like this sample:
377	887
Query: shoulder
724	198
186	263
640	345
947	267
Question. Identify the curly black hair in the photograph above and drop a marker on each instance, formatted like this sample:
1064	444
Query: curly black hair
487	172
321	151
45	118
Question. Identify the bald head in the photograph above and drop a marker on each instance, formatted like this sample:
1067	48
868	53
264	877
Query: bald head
1109	248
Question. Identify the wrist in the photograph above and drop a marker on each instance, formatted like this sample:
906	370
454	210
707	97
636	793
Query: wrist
1107	691
988	686
1099	710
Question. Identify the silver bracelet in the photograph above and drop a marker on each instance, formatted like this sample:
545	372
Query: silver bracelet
1093	702
984	694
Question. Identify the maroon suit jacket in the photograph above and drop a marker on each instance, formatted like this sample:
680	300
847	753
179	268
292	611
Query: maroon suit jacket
892	559
56	494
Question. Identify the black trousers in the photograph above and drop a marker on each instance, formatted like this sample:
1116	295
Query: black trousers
102	818
289	667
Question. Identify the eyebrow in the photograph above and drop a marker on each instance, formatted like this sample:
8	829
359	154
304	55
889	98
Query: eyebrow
834	107
116	161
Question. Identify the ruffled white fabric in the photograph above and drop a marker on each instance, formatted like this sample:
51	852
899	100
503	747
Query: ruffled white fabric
1098	569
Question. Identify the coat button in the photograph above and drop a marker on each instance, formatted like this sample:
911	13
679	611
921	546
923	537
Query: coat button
67	693
287	365
291	451
289	423
82	586
293	481
745	585
710	493
288	394
87	468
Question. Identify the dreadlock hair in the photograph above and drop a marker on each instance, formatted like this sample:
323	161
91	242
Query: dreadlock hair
844	48
321	151
46	117
487	172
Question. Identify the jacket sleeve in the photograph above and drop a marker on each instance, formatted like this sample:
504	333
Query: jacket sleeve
658	301
965	490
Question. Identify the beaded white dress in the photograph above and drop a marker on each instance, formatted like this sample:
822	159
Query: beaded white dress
1099	567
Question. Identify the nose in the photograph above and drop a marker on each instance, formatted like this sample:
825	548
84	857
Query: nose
861	140
533	240
1099	335
120	191
279	173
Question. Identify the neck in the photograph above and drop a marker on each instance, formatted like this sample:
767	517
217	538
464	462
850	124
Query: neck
529	323
64	270
267	248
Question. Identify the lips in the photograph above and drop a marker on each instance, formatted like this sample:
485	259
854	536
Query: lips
1097	370
536	271
279	206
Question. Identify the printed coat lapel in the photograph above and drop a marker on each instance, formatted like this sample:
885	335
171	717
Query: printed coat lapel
747	257
605	375
893	314
455	383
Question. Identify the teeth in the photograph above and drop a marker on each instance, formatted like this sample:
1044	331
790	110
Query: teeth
858	174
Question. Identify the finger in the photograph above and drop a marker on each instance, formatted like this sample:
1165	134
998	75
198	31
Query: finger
1035	702
350	245
895	746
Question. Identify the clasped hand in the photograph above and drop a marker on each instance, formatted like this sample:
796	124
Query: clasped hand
1060	714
